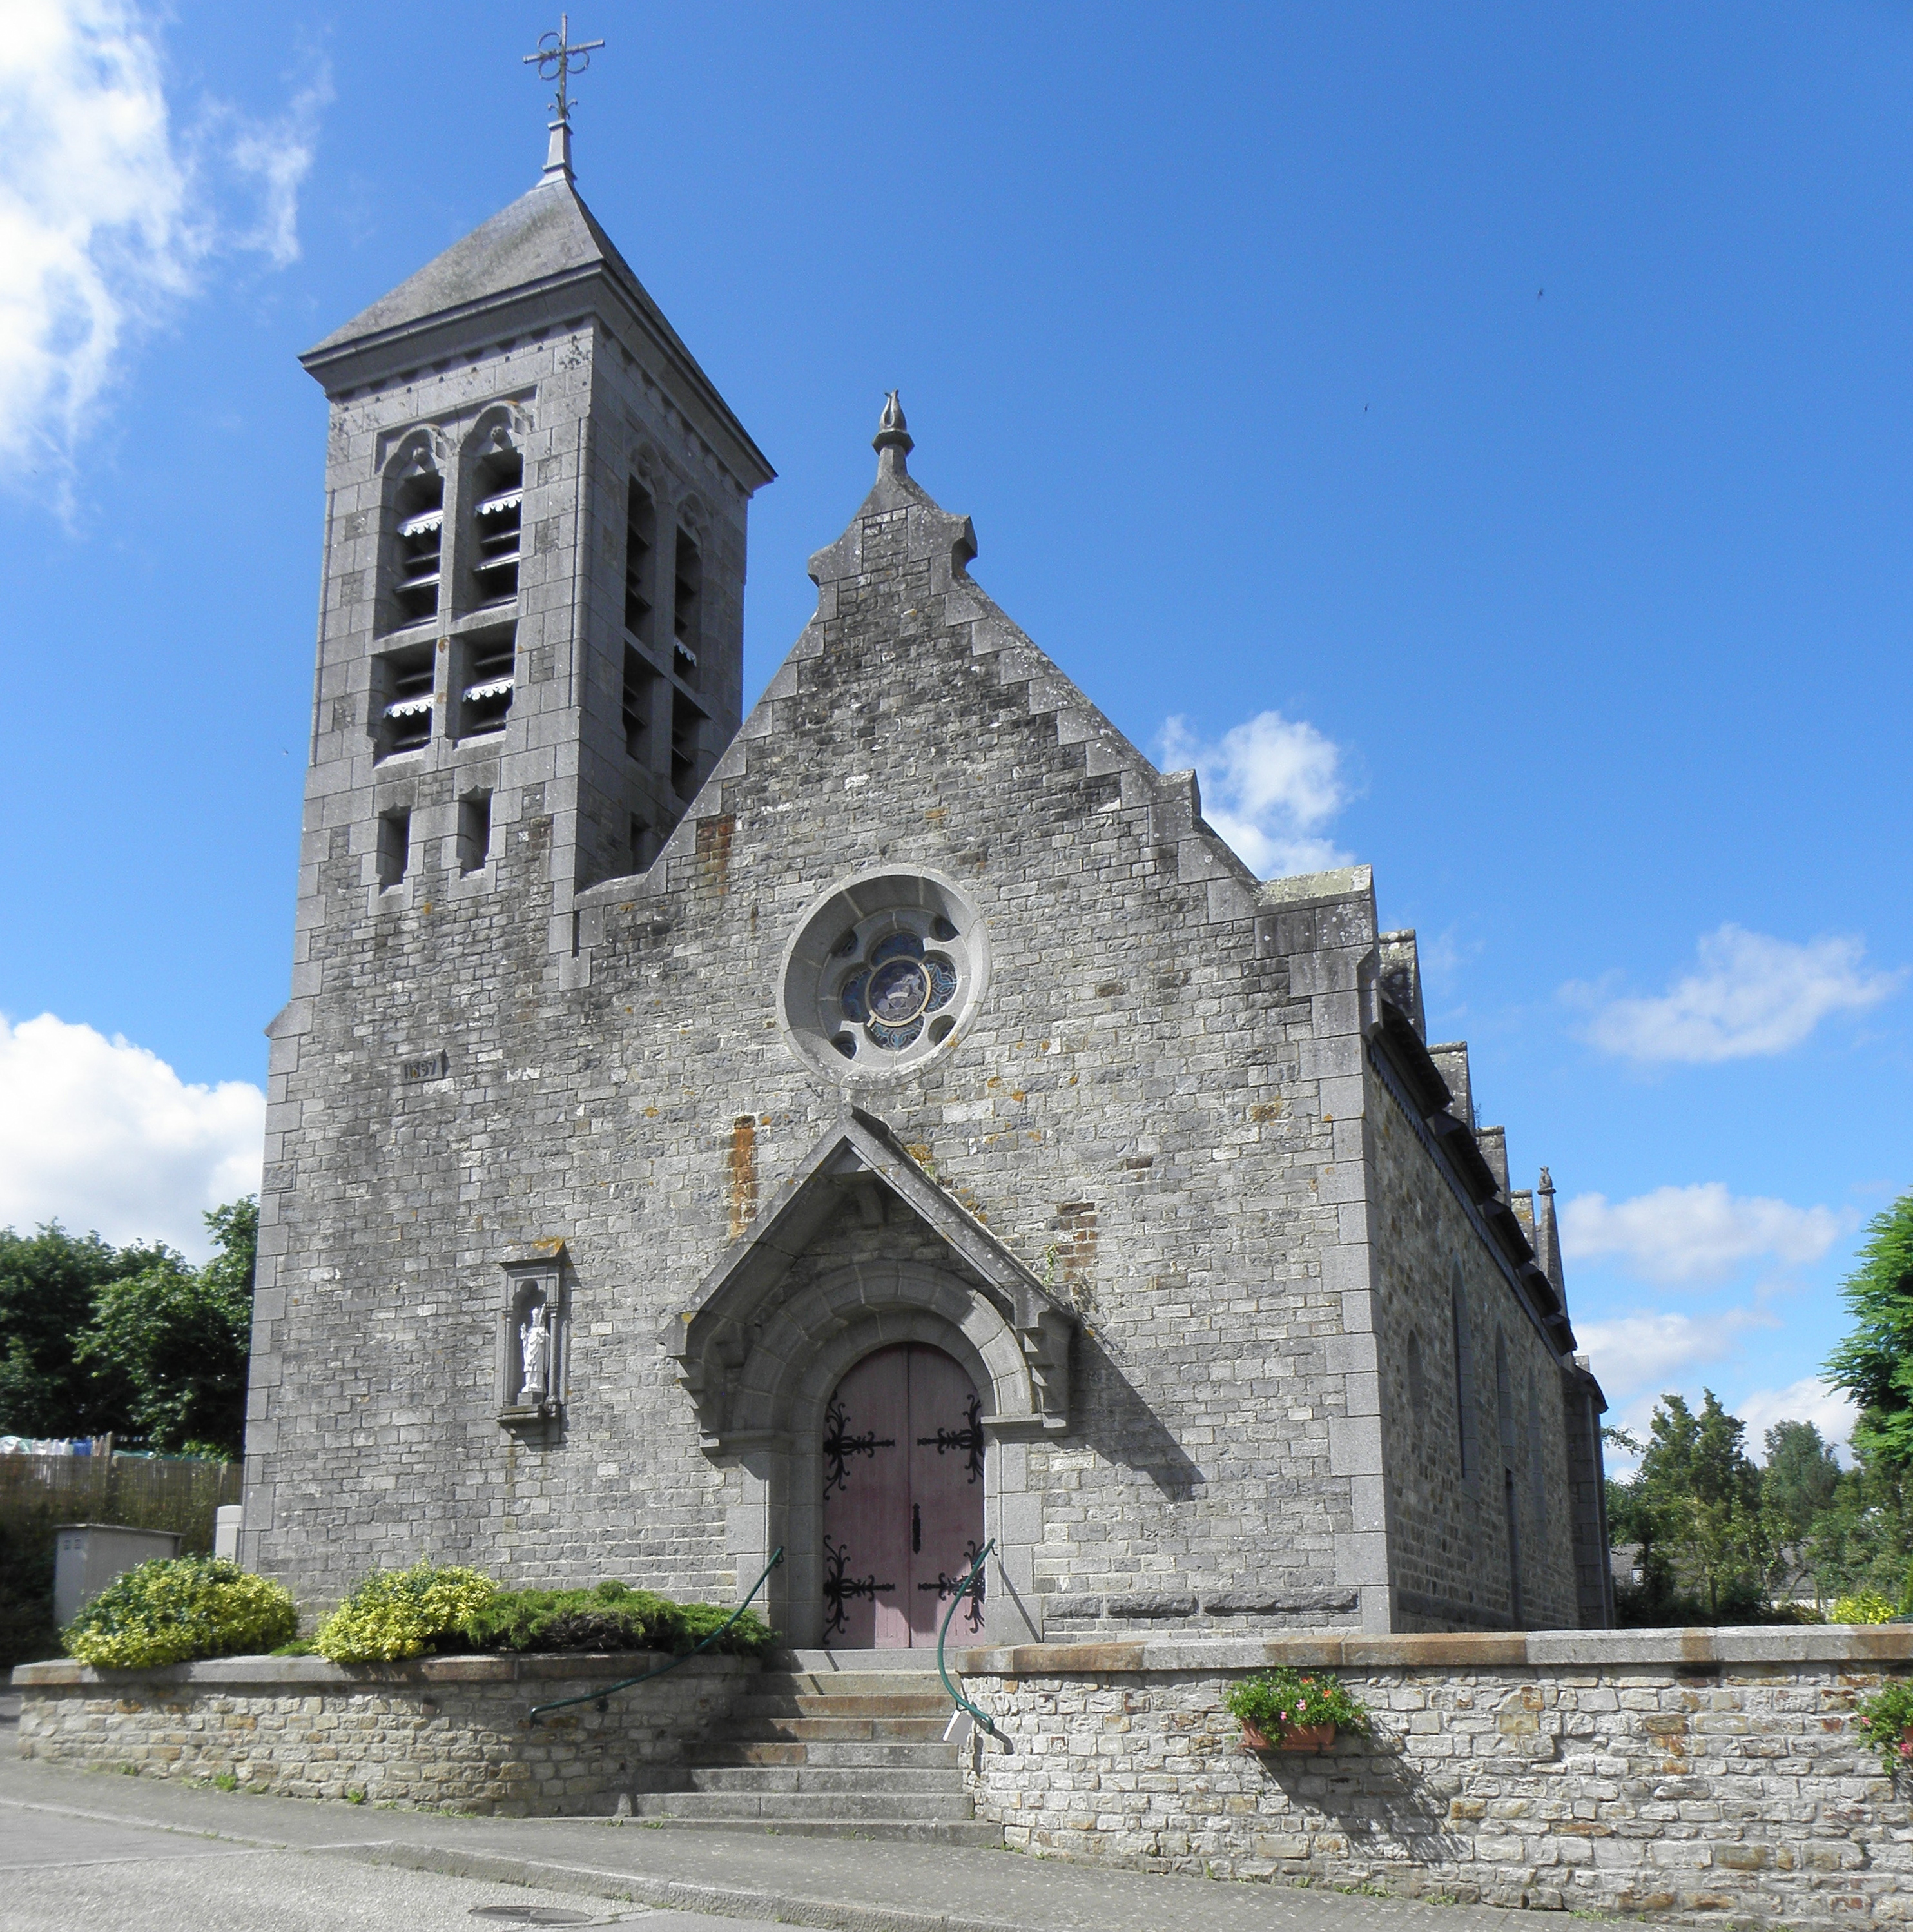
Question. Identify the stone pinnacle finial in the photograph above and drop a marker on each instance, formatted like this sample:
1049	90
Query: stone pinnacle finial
1547	1185
893	441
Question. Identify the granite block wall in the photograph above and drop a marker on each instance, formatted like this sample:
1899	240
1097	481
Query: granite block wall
1700	1776
1475	1448
444	1731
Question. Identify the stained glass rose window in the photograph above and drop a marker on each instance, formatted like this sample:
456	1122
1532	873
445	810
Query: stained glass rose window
889	966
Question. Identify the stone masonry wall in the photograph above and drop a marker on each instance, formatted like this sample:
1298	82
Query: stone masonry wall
1450	1560
448	1731
1702	1775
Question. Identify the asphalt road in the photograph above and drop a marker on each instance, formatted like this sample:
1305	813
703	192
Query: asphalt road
117	1854
64	1873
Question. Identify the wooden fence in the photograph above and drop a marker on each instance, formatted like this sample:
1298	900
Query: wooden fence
37	1493
148	1492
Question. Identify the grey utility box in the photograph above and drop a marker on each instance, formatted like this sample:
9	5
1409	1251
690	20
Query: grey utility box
89	1556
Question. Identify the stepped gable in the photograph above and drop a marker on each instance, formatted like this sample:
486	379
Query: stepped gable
898	615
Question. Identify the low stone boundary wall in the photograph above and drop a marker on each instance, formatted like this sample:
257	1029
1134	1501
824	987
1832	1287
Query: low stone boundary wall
1686	1774
448	1731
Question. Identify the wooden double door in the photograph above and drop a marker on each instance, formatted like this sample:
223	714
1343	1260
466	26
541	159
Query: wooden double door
903	1501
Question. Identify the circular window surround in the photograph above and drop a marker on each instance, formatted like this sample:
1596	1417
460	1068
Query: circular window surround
912	916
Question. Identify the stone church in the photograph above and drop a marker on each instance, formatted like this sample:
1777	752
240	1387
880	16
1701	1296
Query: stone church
887	1124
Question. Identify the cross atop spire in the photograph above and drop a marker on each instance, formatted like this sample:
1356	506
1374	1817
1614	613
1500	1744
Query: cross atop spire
893	441
558	57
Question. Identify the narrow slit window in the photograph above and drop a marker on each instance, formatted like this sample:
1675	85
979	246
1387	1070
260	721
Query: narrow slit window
686	610
395	848
486	689
686	722
474	831
640	845
402	720
418	543
497	517
638	696
1457	1310
641	538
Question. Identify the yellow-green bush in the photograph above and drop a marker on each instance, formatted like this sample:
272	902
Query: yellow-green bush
395	1613
179	1609
1864	1607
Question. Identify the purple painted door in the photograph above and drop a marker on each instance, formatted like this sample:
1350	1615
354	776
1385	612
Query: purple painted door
903	1500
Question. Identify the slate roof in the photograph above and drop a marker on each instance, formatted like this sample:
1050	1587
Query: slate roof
545	240
542	236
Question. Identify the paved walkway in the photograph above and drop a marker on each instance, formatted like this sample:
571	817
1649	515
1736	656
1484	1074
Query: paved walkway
856	1885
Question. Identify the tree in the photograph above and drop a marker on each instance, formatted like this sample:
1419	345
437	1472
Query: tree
49	1282
1875	1363
1694	1505
180	1336
1802	1480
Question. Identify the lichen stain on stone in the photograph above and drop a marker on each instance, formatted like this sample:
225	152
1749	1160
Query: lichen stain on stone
714	837
742	1162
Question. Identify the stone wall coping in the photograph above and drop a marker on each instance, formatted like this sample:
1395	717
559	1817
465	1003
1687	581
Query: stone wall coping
1864	1645
315	1673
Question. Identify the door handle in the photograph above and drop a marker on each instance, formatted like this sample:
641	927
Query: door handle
917	1529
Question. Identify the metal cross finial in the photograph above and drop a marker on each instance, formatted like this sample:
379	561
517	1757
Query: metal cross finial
558	58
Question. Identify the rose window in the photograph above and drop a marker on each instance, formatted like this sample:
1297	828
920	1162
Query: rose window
895	994
881	975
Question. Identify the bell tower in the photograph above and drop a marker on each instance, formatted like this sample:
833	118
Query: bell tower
532	599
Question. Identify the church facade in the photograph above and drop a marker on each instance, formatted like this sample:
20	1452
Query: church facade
887	1124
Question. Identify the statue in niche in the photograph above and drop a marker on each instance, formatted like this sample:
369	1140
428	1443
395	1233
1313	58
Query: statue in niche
535	1350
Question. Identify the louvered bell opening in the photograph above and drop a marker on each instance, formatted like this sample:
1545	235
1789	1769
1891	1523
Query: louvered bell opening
496	519
486	700
687	615
405	719
420	538
685	720
638	678
640	526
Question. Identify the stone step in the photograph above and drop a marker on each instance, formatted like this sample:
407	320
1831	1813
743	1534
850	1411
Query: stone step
823	1807
757	1750
755	1704
843	1730
853	1683
875	1781
919	1831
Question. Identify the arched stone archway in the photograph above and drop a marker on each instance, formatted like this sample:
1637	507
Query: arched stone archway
766	1343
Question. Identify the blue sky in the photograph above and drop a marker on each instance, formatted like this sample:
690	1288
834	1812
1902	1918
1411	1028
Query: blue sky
1478	437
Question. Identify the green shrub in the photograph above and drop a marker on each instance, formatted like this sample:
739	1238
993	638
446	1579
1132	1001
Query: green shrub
1278	1702
1886	1722
1863	1607
610	1616
177	1609
395	1613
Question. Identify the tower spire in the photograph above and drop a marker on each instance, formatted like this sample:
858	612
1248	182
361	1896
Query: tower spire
558	57
893	441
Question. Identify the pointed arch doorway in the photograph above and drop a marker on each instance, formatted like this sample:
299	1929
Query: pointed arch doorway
903	1499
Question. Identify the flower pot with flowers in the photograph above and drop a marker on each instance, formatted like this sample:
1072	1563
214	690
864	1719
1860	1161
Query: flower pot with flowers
1294	1710
1886	1722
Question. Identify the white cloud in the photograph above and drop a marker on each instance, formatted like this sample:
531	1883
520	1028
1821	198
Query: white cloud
1270	787
1696	1233
1809	1400
100	1134
1643	1354
108	213
1749	994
